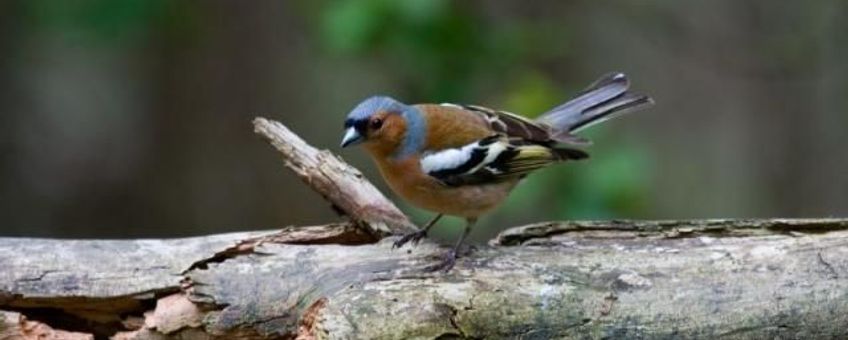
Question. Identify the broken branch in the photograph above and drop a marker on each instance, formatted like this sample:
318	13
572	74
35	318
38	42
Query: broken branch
338	182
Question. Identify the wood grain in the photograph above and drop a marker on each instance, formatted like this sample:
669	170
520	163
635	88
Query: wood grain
624	279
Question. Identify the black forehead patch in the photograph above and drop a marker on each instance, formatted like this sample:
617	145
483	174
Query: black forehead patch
359	124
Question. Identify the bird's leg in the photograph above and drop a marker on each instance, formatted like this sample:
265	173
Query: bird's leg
416	236
449	258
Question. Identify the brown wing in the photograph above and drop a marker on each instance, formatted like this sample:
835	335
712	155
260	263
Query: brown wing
453	126
512	124
474	145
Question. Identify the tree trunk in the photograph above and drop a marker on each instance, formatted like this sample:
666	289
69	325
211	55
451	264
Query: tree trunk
608	279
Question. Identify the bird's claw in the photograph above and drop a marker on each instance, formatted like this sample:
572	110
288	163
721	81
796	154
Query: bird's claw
414	237
446	264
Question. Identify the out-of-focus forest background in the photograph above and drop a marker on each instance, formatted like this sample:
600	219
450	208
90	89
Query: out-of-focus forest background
132	118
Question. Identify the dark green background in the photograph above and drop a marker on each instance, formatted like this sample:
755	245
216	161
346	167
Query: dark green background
132	118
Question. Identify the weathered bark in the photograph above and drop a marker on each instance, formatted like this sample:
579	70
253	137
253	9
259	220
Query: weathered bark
337	181
689	279
614	279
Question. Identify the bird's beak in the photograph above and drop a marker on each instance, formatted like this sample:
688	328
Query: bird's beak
351	137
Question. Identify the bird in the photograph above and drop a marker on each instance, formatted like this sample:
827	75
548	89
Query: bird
463	160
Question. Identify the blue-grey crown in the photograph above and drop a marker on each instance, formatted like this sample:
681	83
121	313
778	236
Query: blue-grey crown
373	105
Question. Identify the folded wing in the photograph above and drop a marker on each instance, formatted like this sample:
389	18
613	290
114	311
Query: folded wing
492	159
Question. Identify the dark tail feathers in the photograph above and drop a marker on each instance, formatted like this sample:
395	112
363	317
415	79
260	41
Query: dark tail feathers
606	98
568	153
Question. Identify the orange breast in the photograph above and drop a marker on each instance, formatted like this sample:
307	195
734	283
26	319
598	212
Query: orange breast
407	180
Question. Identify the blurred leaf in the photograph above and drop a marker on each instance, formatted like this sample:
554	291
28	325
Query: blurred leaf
532	95
95	20
421	11
613	183
351	25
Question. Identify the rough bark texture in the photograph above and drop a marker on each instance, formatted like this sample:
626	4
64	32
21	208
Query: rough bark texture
605	279
337	181
687	279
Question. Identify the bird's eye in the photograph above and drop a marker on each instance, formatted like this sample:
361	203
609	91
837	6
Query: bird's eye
376	123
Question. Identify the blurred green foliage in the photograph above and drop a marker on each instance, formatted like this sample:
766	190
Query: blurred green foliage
131	118
94	20
434	49
105	23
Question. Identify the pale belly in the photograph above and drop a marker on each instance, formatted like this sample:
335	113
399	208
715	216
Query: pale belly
467	201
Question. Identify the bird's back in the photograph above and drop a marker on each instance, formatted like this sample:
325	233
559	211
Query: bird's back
450	126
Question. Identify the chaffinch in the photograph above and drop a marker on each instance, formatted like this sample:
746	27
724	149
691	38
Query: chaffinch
463	160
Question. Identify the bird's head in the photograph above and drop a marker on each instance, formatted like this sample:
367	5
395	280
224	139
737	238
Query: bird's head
383	124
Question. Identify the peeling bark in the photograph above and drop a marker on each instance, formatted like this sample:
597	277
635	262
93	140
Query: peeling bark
689	279
16	326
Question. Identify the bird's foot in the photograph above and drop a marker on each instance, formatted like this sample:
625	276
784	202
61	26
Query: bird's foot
446	264
413	237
